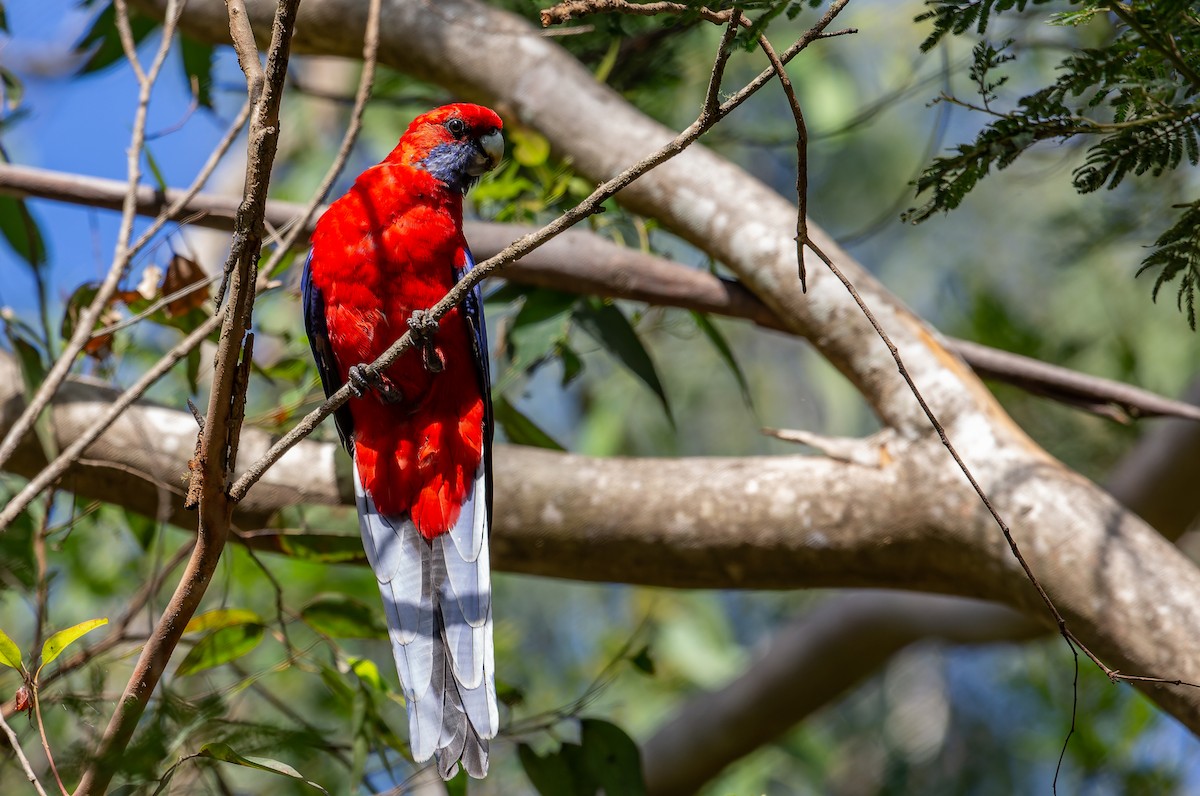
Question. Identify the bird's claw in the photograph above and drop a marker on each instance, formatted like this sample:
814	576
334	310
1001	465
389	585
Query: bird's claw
361	381
423	326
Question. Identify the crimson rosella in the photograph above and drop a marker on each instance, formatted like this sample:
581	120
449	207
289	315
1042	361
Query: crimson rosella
421	432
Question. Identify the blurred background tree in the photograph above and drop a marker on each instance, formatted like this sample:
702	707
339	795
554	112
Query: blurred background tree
286	663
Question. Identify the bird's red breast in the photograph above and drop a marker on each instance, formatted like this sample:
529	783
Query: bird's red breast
385	249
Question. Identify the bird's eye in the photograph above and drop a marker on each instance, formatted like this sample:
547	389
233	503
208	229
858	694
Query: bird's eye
457	127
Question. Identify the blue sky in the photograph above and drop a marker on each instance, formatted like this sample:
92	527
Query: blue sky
82	125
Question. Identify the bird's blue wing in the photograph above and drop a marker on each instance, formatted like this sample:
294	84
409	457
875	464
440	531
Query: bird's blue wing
472	308
318	339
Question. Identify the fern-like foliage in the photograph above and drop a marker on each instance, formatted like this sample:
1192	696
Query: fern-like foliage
1135	101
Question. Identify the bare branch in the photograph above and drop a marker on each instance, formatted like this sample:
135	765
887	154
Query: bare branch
219	439
15	743
582	262
809	664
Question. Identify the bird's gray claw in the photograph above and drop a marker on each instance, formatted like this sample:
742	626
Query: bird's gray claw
359	382
423	327
423	324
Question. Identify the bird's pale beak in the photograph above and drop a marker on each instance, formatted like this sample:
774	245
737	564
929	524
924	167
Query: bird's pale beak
489	154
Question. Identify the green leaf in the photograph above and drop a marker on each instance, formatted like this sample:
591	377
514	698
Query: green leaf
367	672
155	171
14	89
714	335
342	616
457	785
224	753
55	645
192	371
606	760
643	662
222	618
221	646
322	548
33	368
519	429
550	774
104	41
3	19
530	148
608	326
10	653
197	58
21	231
612	758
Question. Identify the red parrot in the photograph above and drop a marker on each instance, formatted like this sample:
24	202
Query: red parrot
420	433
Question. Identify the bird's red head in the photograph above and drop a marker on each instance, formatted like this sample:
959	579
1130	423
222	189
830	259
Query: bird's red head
455	143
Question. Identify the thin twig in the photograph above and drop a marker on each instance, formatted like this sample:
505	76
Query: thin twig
801	156
87	319
247	54
15	743
37	713
299	224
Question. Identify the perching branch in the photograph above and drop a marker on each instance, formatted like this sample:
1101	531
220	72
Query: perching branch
15	743
579	261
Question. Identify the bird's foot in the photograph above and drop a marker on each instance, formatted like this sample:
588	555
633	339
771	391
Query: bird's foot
424	326
361	382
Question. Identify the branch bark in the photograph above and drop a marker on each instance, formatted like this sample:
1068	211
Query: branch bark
775	522
582	262
217	449
810	663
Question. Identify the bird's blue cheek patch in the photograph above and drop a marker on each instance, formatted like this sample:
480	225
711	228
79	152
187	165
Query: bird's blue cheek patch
448	163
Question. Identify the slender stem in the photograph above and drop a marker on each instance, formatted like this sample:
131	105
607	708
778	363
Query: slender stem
37	712
218	440
15	743
299	224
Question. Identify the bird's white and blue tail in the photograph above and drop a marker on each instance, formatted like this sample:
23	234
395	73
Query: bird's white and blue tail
438	599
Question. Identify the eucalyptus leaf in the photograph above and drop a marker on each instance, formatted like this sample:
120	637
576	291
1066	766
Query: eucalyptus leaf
10	653
220	647
606	323
226	754
55	645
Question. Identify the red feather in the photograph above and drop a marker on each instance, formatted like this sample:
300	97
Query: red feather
384	250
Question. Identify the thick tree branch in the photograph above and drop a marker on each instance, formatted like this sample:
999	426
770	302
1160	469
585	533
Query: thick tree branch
779	522
809	664
582	262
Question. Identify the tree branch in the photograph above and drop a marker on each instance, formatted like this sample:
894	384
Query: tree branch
219	439
104	293
810	664
582	262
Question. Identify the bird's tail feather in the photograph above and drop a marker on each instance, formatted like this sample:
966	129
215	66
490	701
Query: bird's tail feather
437	598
